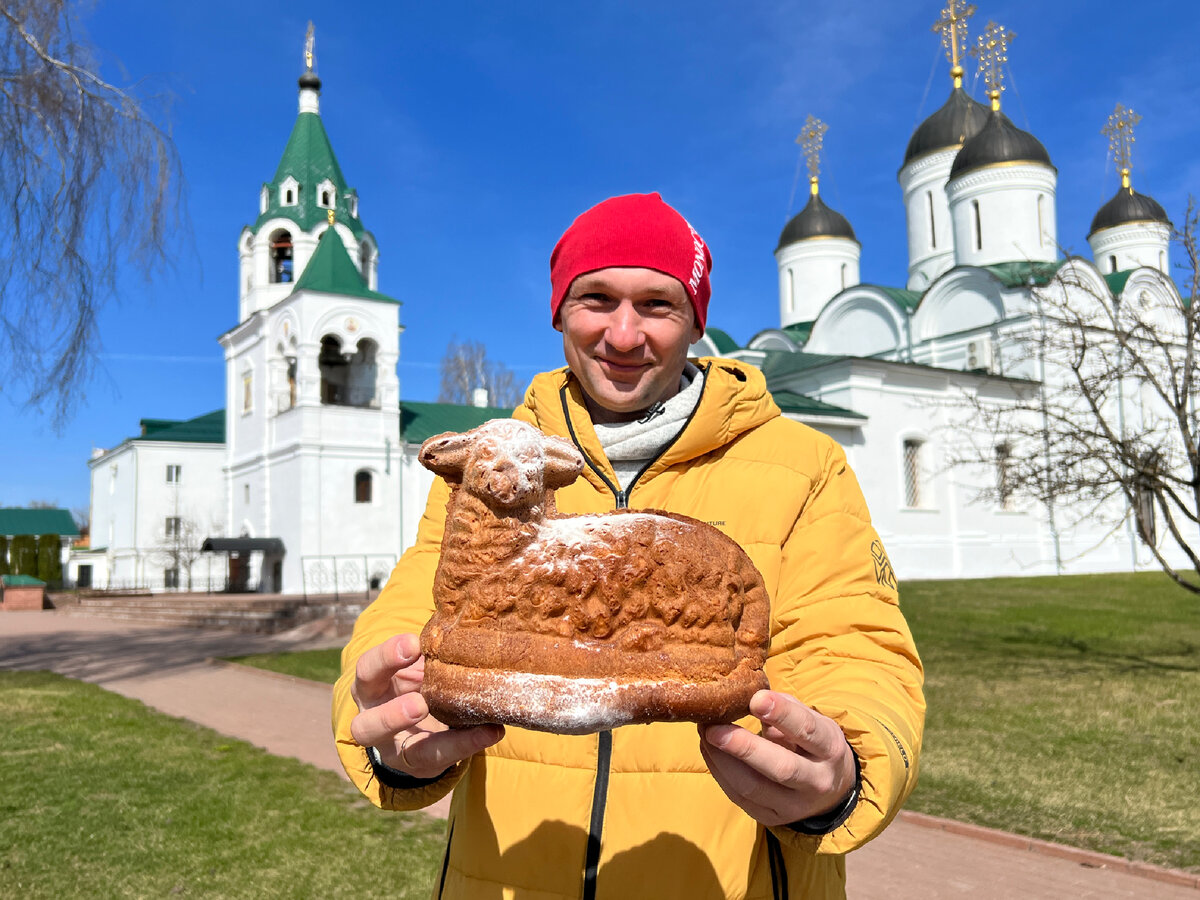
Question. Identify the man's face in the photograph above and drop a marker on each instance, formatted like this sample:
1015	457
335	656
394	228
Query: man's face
626	332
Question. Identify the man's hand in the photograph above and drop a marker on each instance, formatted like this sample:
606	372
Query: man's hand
394	719
800	767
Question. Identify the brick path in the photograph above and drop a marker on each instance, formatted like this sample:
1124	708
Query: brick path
167	669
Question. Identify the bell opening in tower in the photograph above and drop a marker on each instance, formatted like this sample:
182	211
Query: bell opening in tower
281	257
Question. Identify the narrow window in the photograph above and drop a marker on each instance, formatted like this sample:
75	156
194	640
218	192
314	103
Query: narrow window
1162	262
1112	263
791	290
171	527
171	578
246	493
1041	225
288	197
281	257
912	473
1004	488
247	393
932	226
843	276
362	487
173	474
978	226
325	199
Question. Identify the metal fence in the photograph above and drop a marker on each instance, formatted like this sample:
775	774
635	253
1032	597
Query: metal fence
340	575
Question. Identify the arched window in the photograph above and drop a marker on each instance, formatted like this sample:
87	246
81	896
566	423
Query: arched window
362	486
913	489
791	291
978	225
843	276
333	371
932	226
1041	202
1162	262
281	256
1112	263
325	201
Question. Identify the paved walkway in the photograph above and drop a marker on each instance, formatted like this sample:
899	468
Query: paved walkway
167	669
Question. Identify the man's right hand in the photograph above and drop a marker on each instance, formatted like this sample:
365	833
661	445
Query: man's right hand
394	719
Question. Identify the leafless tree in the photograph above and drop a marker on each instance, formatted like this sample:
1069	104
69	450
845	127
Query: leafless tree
1109	427
178	546
91	182
466	368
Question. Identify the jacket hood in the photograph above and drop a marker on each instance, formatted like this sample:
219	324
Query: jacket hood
734	400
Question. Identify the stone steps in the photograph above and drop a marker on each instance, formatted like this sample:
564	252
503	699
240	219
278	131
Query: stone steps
245	613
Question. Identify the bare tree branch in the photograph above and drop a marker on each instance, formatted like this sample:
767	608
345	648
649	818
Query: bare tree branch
466	369
93	184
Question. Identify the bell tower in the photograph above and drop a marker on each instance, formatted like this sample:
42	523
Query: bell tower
312	396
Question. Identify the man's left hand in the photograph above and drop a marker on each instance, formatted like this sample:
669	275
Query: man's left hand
801	765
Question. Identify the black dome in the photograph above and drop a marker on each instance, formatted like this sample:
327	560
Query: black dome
310	80
959	118
815	220
998	141
1126	206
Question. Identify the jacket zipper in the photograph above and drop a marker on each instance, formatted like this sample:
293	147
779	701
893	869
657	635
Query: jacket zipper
604	750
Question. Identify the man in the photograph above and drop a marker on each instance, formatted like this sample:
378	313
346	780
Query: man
764	808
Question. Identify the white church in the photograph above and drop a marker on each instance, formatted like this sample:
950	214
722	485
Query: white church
307	480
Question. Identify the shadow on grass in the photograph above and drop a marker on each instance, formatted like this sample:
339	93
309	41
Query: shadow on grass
113	655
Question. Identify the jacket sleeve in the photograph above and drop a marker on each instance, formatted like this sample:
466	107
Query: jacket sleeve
843	648
403	606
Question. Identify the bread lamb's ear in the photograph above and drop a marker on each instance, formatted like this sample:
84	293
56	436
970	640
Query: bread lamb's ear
563	462
446	454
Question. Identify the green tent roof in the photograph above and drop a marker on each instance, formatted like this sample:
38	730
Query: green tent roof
421	421
721	340
206	429
333	272
308	158
792	402
18	520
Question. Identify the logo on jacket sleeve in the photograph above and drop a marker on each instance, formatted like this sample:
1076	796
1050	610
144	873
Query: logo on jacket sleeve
883	566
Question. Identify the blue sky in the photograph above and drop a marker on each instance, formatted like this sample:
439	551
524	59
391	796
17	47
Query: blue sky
474	133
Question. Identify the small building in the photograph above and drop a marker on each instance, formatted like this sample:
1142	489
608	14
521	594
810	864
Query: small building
35	521
21	593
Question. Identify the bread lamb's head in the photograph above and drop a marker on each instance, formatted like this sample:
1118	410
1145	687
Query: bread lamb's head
508	463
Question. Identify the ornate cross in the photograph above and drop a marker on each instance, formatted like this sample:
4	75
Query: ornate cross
810	139
992	53
1119	131
953	26
309	46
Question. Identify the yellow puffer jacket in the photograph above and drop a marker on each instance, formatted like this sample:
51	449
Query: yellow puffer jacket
634	812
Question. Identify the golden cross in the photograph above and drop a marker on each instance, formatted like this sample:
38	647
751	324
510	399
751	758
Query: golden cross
332	216
309	45
992	53
953	25
810	139
1120	139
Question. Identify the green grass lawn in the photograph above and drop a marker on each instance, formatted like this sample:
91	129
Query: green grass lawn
1064	708
1061	708
101	796
316	665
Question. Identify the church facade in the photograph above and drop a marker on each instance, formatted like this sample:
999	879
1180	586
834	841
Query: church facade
307	481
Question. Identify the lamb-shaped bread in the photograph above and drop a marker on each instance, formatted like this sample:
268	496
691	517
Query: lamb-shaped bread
576	624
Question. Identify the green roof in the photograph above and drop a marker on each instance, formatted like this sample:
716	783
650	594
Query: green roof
421	421
906	298
799	332
721	340
308	158
332	271
799	403
1024	273
18	520
780	362
206	429
1116	281
21	581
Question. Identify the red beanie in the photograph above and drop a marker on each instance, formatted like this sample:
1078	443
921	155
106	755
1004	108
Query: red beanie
636	230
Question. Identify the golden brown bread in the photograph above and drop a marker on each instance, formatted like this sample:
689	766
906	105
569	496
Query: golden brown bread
575	624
